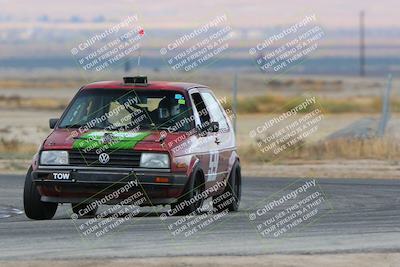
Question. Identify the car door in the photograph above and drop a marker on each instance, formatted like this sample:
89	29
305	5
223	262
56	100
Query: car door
204	146
219	158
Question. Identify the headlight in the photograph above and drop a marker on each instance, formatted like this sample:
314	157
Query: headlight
154	160
54	157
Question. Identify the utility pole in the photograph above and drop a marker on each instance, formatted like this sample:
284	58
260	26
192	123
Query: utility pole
362	44
234	100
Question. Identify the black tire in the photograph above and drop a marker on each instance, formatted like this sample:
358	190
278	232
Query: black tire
194	187
234	187
77	207
35	208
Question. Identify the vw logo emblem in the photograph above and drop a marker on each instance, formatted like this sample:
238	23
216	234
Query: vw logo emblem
104	158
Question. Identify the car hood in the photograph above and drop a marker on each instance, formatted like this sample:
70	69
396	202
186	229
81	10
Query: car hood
95	139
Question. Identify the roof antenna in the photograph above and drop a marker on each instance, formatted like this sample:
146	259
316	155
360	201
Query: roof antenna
127	65
141	33
138	60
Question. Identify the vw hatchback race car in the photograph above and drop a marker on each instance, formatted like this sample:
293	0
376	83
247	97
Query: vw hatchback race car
171	141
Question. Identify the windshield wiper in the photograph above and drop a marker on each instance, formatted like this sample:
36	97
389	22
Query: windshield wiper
151	127
78	126
161	128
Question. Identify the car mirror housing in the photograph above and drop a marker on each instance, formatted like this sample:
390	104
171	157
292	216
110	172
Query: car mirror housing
53	122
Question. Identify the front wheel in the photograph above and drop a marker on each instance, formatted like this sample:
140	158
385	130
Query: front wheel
192	200
230	198
33	206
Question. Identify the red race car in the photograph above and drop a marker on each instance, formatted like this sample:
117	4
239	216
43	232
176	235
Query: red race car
171	141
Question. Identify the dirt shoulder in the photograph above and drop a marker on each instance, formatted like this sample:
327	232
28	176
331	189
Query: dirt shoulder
377	169
370	259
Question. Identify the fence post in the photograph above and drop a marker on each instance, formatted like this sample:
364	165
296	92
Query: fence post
385	107
234	100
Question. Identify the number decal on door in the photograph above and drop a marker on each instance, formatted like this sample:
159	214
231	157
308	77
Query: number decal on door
213	166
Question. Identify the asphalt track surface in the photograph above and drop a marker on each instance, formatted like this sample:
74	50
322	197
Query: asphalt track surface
362	216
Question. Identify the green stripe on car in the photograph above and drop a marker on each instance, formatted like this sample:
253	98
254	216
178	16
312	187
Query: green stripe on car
109	140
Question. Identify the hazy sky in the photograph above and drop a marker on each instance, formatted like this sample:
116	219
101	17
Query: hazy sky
188	13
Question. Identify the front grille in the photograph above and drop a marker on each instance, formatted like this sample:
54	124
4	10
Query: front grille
118	158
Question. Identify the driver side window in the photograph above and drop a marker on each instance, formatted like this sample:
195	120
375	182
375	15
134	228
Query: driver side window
201	109
215	111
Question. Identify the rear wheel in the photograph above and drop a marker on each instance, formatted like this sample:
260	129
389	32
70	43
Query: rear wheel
230	198
33	206
191	201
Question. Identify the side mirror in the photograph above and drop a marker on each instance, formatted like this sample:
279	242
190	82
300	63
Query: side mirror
52	123
214	127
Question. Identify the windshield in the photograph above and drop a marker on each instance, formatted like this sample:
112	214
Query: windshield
128	109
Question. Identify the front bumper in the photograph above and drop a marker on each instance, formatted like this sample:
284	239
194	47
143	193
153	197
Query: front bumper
86	184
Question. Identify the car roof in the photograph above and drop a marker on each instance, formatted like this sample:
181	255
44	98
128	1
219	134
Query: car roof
151	85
